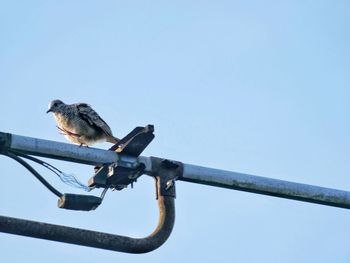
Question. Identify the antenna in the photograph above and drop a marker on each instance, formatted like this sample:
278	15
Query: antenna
121	166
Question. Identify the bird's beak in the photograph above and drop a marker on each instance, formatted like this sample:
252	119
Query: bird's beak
49	110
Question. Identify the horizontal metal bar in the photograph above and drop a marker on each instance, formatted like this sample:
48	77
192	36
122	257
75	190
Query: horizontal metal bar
67	152
191	173
266	186
62	151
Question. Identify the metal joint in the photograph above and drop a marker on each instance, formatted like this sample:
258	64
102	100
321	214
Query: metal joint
117	175
126	169
166	173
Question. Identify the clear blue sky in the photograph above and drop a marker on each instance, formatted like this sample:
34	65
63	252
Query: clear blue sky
260	87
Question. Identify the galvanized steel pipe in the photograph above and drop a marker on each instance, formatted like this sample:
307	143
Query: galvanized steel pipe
61	151
266	186
191	173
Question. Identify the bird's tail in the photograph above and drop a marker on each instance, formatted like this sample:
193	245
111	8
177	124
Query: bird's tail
112	139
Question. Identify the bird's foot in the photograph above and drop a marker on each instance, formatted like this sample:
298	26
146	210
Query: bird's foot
69	133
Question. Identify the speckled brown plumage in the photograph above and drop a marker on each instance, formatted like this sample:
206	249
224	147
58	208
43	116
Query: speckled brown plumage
80	124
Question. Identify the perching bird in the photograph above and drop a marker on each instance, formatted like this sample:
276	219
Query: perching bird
80	124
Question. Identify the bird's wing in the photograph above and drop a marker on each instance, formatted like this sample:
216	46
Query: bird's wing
91	116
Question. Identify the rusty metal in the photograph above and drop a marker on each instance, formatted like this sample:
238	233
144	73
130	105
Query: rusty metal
166	173
96	239
161	171
169	171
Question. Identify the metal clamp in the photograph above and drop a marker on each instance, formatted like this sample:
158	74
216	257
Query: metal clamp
126	169
166	173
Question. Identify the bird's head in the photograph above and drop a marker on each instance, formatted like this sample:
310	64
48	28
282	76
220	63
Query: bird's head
54	106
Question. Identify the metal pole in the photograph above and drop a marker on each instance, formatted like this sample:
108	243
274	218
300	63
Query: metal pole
266	186
61	151
191	173
65	151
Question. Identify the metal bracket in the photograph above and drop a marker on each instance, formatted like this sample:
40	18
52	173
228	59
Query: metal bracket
166	172
119	174
126	169
169	171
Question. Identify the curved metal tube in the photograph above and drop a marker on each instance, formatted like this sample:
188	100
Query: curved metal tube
99	239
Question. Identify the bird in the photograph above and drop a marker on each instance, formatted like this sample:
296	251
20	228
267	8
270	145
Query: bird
80	123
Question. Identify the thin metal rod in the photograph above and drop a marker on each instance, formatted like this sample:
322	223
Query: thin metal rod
96	239
266	186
